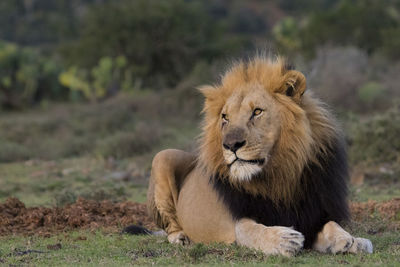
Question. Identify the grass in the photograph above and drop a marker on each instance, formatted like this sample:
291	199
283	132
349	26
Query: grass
98	248
55	183
125	126
378	192
58	182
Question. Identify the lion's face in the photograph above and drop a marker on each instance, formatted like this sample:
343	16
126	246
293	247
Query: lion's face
250	126
255	122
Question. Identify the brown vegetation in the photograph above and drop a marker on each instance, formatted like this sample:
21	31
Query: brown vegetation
15	218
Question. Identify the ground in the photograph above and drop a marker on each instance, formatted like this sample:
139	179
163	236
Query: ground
72	176
50	225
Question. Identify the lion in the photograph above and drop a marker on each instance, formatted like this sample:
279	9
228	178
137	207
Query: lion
270	172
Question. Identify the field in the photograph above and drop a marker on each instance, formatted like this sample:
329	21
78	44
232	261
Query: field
70	204
91	90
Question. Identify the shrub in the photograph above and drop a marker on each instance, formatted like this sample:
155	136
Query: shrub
371	92
102	80
376	139
27	77
336	75
367	24
127	144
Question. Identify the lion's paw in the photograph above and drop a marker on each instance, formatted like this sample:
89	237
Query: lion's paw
350	244
285	241
341	243
361	245
178	237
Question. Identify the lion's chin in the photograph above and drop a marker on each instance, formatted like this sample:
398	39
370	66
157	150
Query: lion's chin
242	171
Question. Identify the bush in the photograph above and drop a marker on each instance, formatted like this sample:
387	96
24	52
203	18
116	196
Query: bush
104	79
336	75
371	92
27	77
363	23
376	139
127	144
370	25
286	35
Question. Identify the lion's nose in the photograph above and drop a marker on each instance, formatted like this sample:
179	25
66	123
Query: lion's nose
234	146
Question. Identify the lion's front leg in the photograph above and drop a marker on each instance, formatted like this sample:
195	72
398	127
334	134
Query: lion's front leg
270	240
334	239
169	170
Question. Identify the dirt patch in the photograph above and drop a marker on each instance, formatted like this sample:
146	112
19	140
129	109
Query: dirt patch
387	210
15	218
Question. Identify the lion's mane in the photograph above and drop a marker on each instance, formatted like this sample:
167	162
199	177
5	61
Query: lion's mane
304	182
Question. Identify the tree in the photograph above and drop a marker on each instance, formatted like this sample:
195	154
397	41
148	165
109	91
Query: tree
161	40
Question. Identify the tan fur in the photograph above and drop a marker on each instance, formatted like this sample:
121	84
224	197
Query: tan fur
181	198
334	239
271	240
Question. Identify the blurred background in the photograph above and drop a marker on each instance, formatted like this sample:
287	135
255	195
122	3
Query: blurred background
90	90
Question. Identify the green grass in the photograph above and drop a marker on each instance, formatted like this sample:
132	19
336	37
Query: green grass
106	249
50	183
62	181
378	192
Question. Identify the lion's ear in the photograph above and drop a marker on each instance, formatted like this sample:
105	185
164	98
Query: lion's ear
295	84
214	101
209	92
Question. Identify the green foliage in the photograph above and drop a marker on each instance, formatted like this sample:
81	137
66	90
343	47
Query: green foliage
367	24
106	78
161	40
371	92
110	46
26	76
286	35
391	42
41	22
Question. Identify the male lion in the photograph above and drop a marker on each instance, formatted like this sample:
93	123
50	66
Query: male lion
270	173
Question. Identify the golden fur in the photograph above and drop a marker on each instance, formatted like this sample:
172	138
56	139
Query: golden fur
304	123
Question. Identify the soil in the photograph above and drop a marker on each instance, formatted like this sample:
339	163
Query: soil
386	210
15	218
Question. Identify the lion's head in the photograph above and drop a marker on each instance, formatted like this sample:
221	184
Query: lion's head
260	129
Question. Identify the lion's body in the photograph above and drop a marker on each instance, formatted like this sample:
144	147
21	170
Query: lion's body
270	158
202	214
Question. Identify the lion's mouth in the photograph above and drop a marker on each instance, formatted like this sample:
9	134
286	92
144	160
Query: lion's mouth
251	161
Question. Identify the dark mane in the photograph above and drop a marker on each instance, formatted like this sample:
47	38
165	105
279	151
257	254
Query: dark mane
324	197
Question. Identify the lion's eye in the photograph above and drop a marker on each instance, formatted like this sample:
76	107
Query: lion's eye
224	117
257	112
